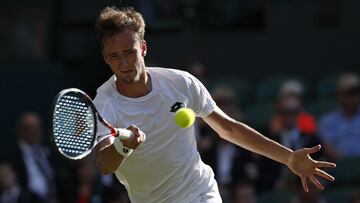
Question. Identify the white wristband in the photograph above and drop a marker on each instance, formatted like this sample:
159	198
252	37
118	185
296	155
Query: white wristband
121	149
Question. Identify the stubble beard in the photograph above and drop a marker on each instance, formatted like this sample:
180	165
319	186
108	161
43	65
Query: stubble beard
132	79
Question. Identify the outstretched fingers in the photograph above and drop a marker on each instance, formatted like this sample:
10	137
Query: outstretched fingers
316	182
304	183
313	149
325	164
324	175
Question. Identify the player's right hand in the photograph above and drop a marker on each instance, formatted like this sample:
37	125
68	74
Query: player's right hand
136	140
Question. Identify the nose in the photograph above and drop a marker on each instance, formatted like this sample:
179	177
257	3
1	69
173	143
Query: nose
123	63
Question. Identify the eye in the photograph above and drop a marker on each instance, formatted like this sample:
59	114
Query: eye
113	56
130	52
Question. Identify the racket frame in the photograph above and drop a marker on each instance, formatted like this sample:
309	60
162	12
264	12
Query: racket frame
97	117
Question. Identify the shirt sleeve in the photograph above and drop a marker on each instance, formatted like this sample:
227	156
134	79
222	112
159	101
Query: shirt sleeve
201	101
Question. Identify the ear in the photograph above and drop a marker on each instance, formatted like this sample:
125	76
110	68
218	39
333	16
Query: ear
143	48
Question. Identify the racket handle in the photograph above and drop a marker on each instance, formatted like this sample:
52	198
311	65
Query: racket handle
123	133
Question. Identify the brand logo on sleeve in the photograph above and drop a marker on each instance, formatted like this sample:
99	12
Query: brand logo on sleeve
176	106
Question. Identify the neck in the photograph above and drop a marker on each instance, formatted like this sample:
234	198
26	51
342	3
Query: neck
137	89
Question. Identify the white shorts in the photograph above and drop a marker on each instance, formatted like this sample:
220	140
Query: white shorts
211	196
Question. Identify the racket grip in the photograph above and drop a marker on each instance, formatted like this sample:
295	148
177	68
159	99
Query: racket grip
123	133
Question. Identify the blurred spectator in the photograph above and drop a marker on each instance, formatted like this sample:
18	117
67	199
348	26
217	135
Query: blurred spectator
247	167
220	154
10	190
292	87
291	135
292	127
305	121
340	129
244	192
226	153
30	158
227	99
87	187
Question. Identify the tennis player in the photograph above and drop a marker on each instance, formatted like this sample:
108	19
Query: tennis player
167	167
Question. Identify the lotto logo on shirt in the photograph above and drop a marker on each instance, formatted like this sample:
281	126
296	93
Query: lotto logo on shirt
176	107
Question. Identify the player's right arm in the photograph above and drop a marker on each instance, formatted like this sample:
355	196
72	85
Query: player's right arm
108	159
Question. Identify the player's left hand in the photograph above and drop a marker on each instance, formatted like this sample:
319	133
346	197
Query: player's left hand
304	166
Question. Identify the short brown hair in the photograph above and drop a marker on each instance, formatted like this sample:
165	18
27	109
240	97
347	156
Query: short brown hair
113	20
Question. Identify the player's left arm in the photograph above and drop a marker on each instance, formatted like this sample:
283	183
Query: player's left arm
244	136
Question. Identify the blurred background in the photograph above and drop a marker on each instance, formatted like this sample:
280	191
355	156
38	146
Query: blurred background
288	68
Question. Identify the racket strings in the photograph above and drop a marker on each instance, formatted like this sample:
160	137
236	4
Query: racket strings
73	125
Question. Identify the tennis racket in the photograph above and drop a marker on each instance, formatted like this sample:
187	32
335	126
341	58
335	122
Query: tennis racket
75	124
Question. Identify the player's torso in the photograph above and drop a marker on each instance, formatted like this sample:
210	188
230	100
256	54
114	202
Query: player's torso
155	117
165	163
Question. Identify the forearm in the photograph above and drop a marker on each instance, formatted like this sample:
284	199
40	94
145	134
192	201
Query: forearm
248	138
108	159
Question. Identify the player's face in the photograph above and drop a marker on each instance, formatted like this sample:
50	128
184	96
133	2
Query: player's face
124	53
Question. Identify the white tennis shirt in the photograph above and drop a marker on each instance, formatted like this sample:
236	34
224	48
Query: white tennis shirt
167	166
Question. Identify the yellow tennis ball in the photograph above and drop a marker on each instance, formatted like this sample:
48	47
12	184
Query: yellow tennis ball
184	117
